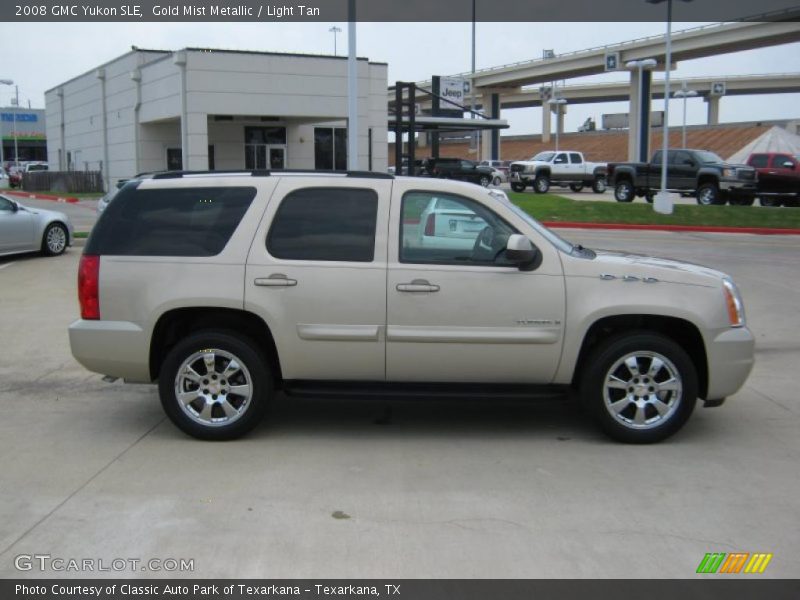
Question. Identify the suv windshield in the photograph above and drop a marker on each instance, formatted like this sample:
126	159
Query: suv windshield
554	239
544	156
708	157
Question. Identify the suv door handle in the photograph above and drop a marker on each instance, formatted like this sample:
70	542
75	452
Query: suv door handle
418	285
275	280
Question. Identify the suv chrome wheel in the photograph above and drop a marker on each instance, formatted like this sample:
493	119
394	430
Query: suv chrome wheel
640	386
642	390
215	384
213	387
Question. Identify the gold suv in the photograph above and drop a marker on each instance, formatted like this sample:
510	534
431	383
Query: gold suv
226	287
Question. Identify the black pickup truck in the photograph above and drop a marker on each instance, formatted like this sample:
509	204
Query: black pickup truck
461	169
699	173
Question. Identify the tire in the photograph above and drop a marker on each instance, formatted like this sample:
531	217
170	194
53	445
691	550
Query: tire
742	200
599	185
770	201
496	181
639	408
649	197
54	239
517	186
623	191
225	419
541	185
576	187
484	180
708	195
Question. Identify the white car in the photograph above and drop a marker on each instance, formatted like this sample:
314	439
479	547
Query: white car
24	229
446	224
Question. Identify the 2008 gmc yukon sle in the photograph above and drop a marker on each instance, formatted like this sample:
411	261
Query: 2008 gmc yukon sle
227	287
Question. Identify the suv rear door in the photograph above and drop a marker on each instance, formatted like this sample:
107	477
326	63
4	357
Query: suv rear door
316	274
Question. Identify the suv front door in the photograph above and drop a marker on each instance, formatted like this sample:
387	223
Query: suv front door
457	310
316	274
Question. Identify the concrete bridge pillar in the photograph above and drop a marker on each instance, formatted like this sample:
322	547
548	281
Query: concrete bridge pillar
545	123
713	109
639	116
490	139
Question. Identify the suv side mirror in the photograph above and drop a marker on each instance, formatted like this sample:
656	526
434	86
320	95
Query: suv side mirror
14	206
788	165
520	250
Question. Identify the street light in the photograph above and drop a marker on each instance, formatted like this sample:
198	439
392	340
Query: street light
663	201
645	64
684	93
2	144
558	102
335	30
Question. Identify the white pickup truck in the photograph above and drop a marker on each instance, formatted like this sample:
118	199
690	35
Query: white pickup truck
564	168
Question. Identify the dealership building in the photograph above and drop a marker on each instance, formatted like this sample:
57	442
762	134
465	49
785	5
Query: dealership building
27	127
207	109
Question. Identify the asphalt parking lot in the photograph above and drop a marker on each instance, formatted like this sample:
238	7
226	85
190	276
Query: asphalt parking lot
361	489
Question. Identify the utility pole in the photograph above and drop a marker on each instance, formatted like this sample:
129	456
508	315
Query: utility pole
335	30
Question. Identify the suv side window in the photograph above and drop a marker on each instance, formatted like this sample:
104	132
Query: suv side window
445	229
336	224
759	161
194	221
561	159
683	159
575	158
5	204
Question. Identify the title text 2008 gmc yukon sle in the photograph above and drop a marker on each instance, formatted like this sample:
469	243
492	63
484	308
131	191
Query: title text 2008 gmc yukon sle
697	172
225	288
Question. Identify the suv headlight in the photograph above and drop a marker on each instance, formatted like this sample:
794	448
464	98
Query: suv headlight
733	303
729	172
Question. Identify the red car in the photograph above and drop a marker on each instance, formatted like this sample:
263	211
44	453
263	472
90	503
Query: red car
778	177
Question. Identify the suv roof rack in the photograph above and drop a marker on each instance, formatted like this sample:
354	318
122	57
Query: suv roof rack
268	173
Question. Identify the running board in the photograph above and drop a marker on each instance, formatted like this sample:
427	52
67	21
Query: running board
358	390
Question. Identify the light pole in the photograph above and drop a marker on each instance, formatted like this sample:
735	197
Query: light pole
663	201
16	109
558	102
2	143
684	93
645	64
335	31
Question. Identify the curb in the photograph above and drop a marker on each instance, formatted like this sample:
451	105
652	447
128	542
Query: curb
34	196
678	228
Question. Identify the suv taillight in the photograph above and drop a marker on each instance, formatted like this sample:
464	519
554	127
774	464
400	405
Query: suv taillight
430	225
89	286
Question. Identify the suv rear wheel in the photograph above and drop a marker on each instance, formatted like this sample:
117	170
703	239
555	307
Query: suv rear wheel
517	186
215	385
641	387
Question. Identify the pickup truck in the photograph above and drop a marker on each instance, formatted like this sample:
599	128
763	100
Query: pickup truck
700	173
461	169
16	173
778	178
567	168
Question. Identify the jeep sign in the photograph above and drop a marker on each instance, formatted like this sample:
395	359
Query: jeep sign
452	90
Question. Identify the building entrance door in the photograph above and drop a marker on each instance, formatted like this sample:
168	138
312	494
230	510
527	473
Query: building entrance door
265	156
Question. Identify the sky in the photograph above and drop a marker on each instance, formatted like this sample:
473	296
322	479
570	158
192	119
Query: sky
46	54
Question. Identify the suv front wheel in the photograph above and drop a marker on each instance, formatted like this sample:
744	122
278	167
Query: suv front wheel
215	385
641	387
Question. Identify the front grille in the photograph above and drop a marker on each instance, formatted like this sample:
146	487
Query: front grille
517	168
746	174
